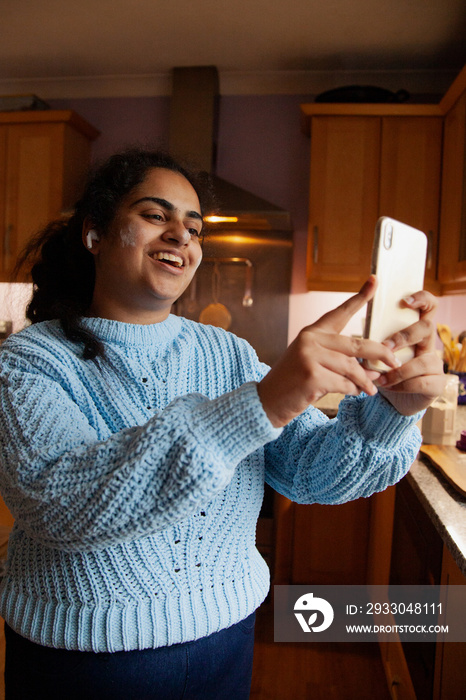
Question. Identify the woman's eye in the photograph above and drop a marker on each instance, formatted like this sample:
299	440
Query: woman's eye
156	217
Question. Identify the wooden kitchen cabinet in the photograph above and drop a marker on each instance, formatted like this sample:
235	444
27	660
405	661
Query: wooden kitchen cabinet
452	254
418	556
343	203
410	171
44	157
322	544
330	543
396	670
368	161
416	559
381	537
450	660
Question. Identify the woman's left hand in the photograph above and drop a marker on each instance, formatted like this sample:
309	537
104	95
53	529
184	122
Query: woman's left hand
413	386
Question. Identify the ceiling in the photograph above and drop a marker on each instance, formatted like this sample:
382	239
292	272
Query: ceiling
63	48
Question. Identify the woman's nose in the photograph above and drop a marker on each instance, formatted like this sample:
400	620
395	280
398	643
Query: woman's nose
176	231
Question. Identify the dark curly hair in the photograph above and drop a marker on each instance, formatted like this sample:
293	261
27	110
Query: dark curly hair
61	268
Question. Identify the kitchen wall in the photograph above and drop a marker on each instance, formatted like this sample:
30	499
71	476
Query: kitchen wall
306	308
260	148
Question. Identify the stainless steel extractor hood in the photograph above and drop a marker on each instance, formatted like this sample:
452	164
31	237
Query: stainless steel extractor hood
193	136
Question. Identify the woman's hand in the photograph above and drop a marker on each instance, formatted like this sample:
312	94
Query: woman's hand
413	386
320	360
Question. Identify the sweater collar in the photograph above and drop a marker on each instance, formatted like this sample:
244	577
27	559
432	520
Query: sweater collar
132	333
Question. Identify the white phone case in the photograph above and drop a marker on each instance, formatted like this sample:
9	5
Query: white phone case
398	261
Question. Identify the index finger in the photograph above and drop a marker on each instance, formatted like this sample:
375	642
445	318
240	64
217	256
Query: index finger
334	321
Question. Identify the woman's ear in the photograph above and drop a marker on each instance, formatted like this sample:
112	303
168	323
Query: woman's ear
89	236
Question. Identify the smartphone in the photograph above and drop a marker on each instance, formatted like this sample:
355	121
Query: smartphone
398	261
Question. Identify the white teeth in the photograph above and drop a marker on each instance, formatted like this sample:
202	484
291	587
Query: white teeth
170	258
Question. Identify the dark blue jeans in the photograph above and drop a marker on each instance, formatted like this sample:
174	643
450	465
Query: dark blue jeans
217	667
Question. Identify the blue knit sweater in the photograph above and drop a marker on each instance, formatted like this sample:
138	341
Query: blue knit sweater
136	480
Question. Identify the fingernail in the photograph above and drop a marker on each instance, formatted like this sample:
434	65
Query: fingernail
368	283
408	300
381	381
389	343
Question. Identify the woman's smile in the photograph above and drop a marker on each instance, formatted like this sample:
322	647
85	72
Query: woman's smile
173	261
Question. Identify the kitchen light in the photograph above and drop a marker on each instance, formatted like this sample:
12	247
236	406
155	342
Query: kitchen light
221	219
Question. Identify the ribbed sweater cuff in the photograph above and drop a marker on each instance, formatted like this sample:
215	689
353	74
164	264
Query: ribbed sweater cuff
378	417
235	423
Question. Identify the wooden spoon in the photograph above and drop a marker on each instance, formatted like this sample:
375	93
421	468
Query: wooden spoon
444	333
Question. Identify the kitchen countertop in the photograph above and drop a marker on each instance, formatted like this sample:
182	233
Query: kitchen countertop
444	505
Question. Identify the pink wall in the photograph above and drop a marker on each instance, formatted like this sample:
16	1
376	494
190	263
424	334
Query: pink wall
260	148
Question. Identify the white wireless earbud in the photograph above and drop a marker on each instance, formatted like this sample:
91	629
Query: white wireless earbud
91	236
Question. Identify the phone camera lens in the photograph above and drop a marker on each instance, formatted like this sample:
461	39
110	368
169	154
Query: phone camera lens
388	237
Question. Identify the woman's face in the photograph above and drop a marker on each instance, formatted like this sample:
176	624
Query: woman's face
150	253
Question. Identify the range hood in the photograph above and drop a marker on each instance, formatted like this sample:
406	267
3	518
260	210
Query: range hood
193	137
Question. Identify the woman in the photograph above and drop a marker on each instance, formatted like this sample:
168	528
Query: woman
135	445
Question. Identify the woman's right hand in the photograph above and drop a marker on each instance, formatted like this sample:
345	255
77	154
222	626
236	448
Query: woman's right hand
321	360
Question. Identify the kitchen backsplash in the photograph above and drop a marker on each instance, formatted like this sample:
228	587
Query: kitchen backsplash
307	308
13	301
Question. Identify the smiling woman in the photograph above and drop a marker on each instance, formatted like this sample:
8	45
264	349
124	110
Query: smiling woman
136	444
147	256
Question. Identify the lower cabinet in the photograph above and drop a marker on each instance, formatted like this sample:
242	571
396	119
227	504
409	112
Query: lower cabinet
330	543
347	544
416	559
399	680
387	538
321	544
422	671
450	659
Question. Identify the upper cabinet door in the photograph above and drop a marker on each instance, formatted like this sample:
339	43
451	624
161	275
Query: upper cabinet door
410	178
407	161
4	231
34	168
364	167
345	163
43	160
452	254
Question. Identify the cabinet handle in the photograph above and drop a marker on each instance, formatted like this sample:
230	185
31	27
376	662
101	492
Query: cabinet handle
7	240
394	688
315	250
430	245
